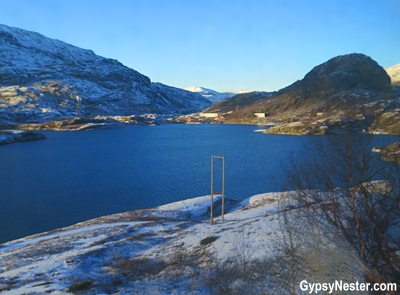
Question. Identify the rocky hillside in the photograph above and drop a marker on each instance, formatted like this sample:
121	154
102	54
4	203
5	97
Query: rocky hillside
44	79
346	87
389	153
239	101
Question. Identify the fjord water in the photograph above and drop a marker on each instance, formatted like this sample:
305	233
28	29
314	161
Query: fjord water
75	176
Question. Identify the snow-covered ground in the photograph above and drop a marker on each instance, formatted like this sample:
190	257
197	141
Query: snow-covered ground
171	249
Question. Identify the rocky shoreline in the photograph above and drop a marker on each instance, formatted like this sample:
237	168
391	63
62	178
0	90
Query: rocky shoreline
89	123
11	136
389	153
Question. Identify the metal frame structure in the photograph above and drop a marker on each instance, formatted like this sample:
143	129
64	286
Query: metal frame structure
212	187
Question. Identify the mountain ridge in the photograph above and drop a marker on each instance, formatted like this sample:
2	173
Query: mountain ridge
351	86
214	96
45	79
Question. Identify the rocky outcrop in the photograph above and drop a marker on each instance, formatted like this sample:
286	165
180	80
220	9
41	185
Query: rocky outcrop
298	128
390	153
11	136
343	73
386	122
42	79
336	126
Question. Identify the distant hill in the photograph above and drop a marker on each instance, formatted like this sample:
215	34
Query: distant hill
239	101
342	81
45	79
212	95
351	86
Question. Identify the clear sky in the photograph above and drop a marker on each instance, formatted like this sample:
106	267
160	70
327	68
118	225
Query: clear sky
219	44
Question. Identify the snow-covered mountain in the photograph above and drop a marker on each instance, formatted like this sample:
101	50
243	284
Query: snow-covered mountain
43	79
212	95
394	73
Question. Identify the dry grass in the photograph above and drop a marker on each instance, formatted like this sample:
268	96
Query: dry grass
139	268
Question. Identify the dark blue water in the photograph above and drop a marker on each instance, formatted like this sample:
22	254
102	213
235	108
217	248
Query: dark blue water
75	176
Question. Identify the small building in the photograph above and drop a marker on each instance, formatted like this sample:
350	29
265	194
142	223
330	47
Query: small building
260	115
209	115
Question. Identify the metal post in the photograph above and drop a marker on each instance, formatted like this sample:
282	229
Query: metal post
223	187
212	187
212	190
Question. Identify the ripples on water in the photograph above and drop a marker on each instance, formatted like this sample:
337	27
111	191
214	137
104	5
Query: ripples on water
75	176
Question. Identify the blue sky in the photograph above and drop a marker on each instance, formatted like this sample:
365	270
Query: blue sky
218	44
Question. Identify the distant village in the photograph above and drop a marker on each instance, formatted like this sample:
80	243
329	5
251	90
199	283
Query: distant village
209	118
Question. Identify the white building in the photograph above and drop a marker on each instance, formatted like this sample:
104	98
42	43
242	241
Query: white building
209	115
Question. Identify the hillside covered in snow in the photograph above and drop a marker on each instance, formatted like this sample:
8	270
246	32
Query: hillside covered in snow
43	79
173	249
394	73
214	96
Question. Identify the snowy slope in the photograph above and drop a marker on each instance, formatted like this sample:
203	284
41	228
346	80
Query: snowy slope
43	78
214	96
171	249
394	73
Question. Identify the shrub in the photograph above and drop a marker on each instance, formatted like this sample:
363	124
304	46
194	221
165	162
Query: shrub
207	240
82	286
